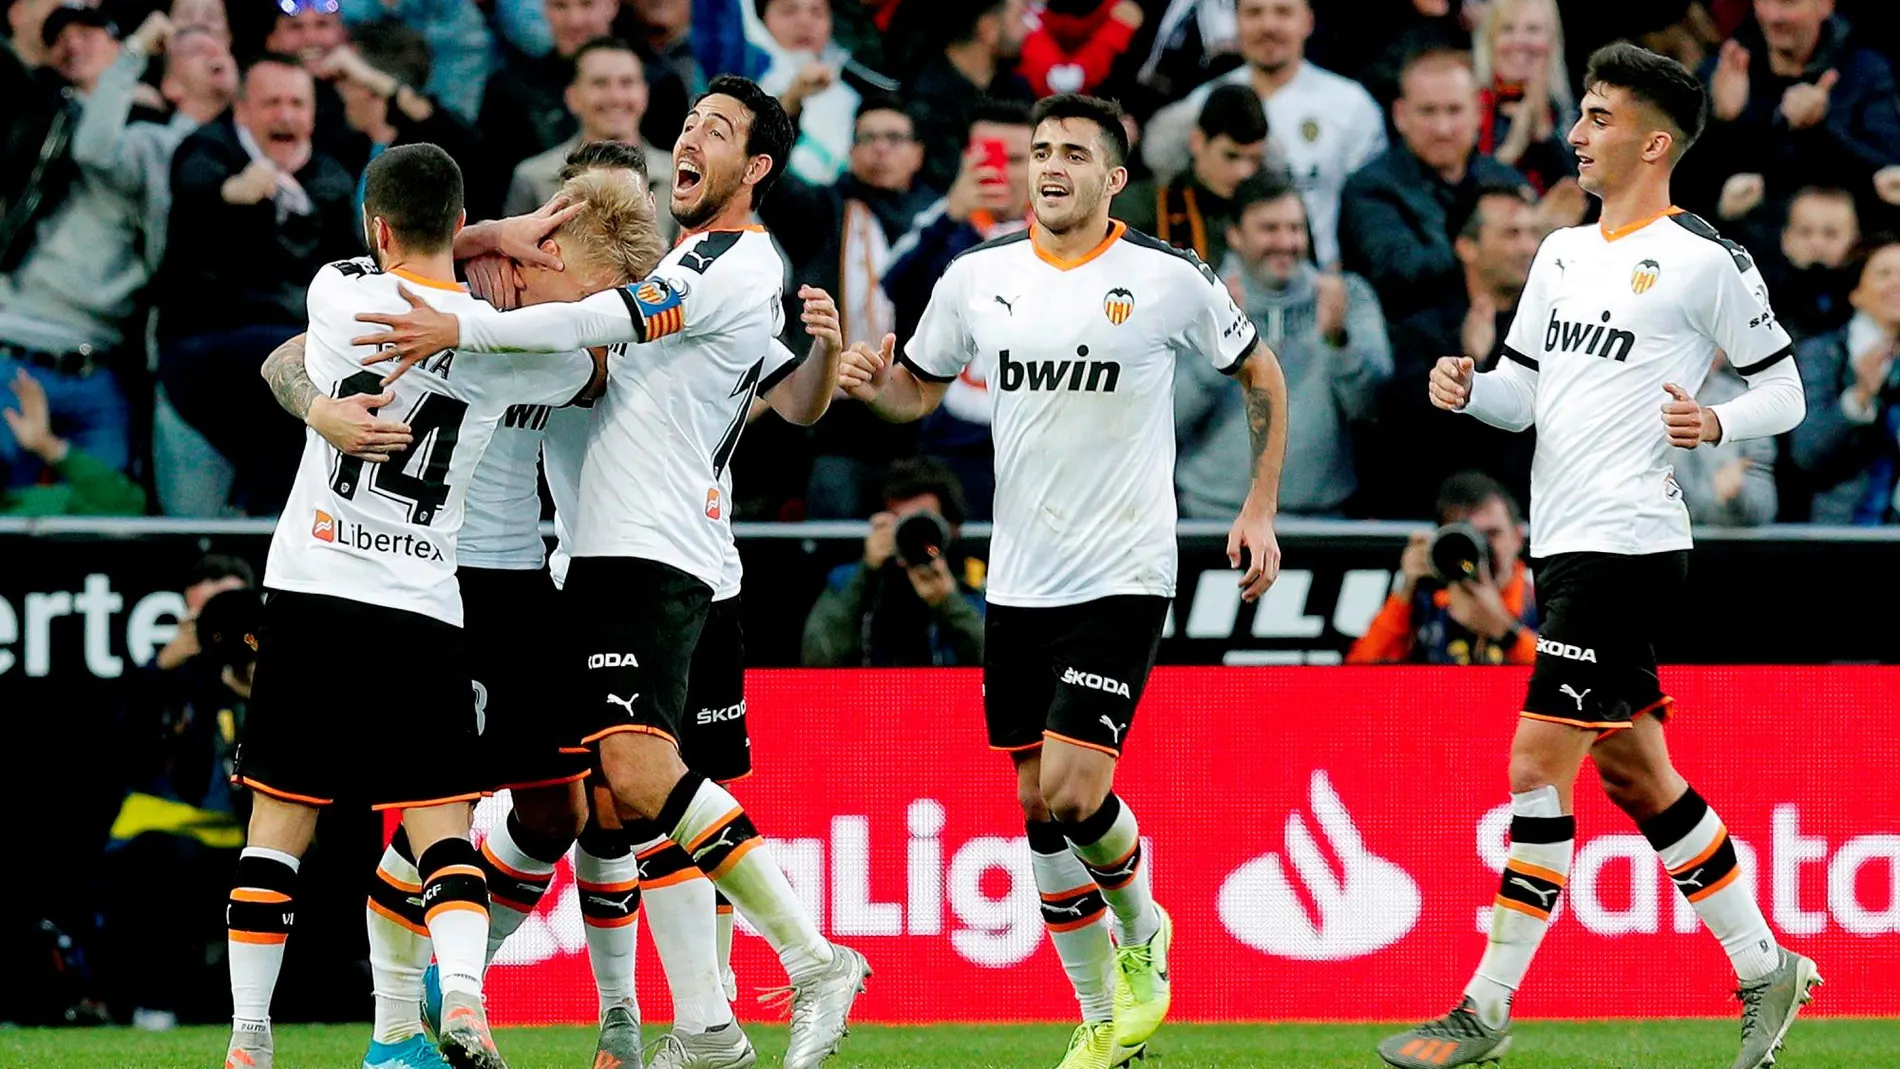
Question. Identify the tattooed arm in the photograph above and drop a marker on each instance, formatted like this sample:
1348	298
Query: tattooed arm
1265	388
350	423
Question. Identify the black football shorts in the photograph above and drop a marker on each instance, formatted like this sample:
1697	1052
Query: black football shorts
528	724
713	738
635	625
1599	618
1068	672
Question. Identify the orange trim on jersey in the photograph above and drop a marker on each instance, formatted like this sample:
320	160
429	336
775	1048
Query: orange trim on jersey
673	879
527	877
1717	885
248	894
725	818
1527	910
301	799
472	907
1614	233
1070	926
732	860
425	280
1538	871
1590	725
1721	836
396	918
637	729
607	888
556	782
428	803
400	885
1110	751
259	938
1115	231
610	922
1071	893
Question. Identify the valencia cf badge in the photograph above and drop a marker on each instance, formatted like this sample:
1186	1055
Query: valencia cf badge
1119	304
712	503
1645	276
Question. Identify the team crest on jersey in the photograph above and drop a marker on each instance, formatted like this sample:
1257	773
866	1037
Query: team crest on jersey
1119	304
712	503
323	529
1310	130
1645	276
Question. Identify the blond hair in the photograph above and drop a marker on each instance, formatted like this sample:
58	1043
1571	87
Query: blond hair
615	233
1484	43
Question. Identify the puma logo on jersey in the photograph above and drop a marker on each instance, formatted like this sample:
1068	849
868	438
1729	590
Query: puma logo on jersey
1114	730
612	660
1008	306
625	703
1590	339
1081	376
1578	698
1095	682
721	716
1566	650
1544	894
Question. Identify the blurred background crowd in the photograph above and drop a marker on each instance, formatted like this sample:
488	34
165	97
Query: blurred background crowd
1371	177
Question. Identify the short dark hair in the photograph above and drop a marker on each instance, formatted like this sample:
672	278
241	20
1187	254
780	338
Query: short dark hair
1433	56
916	476
214	566
1467	492
600	44
1822	193
391	46
1865	250
417	190
957	20
1656	80
591	154
1234	110
877	100
1105	114
1000	112
769	134
1265	187
262	58
1470	222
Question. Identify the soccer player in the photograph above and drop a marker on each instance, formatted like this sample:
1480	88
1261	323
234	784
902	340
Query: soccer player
368	550
1618	325
649	538
1084	319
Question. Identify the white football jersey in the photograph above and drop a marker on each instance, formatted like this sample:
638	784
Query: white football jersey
503	504
385	533
1606	319
1081	386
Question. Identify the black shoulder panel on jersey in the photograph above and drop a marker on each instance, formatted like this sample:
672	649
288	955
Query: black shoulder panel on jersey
1527	361
904	359
1149	241
1241	360
784	372
357	267
1700	227
994	243
1766	362
710	246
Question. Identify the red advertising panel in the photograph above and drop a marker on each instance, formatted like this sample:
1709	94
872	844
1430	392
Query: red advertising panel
1328	840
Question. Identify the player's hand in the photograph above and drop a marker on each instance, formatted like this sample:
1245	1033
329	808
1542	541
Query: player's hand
1728	87
821	317
1741	194
1480	331
862	371
1689	423
933	582
1887	184
1253	532
1870	371
1450	384
352	426
1416	562
1805	105
519	237
255	182
1329	292
813	78
493	277
881	544
412	337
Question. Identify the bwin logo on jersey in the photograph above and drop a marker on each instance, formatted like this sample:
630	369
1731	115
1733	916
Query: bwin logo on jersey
611	660
1095	682
1566	650
1083	376
1591	339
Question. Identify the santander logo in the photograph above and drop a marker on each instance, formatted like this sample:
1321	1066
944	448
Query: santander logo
1368	904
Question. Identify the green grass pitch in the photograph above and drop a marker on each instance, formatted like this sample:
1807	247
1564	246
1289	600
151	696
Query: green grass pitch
1814	1044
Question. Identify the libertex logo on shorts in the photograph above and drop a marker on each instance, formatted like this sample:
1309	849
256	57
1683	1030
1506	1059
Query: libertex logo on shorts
327	528
1364	905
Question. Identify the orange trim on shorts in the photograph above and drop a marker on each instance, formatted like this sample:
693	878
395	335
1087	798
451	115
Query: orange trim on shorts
724	819
610	888
1527	910
637	729
1538	871
573	749
248	894
528	877
259	938
427	803
1717	885
1721	836
1654	707
732	860
616	922
456	870
558	781
1070	926
673	878
1071	893
743	775
1037	745
1097	747
396	918
472	907
1587	725
301	799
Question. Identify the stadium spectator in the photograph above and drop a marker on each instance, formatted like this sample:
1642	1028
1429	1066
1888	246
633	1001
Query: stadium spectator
25	18
1393	219
255	211
524	109
1183	45
984	38
1419	446
308	31
1795	99
72	312
200	77
1849	444
1525	104
805	76
889	611
1320	126
1330	337
1194	209
608	98
1077	44
1726	484
1491	619
84	486
686	44
839	238
1808	276
454	35
206	15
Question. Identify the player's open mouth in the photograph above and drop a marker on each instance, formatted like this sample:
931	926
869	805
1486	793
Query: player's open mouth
1052	192
685	177
1584	161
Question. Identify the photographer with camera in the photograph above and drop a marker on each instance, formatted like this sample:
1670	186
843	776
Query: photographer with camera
904	604
1464	594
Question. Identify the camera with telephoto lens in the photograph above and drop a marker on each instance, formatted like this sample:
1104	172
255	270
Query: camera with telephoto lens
921	538
1458	552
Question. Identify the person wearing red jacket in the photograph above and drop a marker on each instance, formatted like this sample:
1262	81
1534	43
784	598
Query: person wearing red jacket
1077	43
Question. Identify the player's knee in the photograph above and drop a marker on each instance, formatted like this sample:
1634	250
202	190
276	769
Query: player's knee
553	814
1639	795
1072	802
1530	771
1029	796
642	770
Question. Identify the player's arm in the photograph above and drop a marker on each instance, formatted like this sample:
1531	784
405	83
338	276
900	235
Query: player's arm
1218	330
1735	313
517	237
1505	396
803	392
907	387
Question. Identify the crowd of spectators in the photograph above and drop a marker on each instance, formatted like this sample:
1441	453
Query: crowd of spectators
1370	177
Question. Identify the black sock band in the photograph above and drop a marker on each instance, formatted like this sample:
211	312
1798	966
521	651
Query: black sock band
263	902
664	864
535	845
678	802
398	902
720	847
452	878
1089	831
1543	829
1045	837
1674	824
605	843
